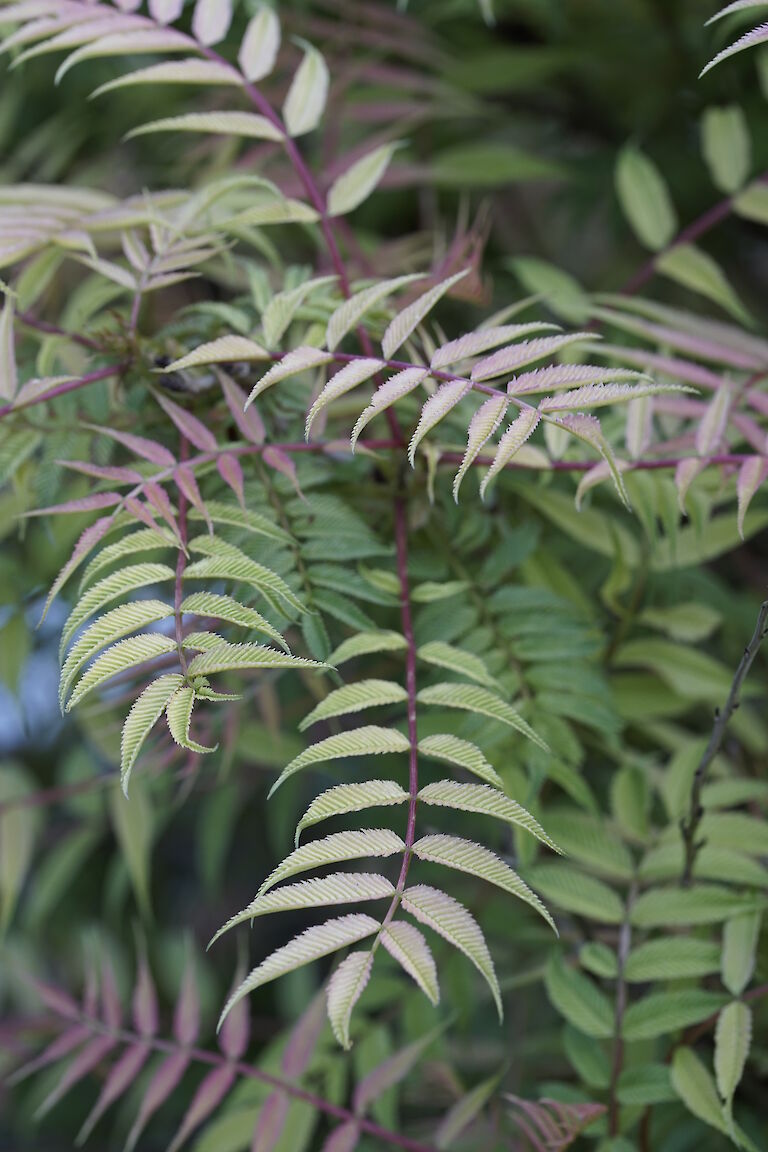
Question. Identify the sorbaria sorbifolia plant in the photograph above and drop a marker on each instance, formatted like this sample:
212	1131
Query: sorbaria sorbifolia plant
323	480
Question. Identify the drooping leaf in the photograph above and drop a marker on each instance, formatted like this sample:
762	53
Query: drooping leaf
733	1038
293	363
510	443
144	714
386	395
451	920
435	409
466	856
481	427
408	947
740	936
340	383
345	988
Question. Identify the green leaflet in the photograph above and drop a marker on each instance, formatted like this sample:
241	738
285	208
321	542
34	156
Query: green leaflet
144	540
224	657
179	716
466	856
564	886
110	627
703	904
355	698
345	988
661	1013
590	841
485	800
365	643
332	850
225	608
355	185
408	947
246	518
451	920
349	314
322	940
117	584
733	1038
737	963
223	561
462	754
143	716
317	892
456	660
577	999
346	798
481	702
366	741
672	958
696	1088
121	657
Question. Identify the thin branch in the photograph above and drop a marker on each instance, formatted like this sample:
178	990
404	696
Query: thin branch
700	227
53	330
215	1060
690	825
63	389
617	1064
181	563
401	541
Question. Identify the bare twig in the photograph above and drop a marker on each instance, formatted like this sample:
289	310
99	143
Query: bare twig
625	943
690	825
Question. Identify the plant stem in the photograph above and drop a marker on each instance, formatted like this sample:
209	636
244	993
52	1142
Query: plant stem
703	224
625	943
181	562
69	386
690	825
215	1060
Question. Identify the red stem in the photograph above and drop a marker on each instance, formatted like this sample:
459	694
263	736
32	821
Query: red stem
401	540
703	224
70	386
215	1060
